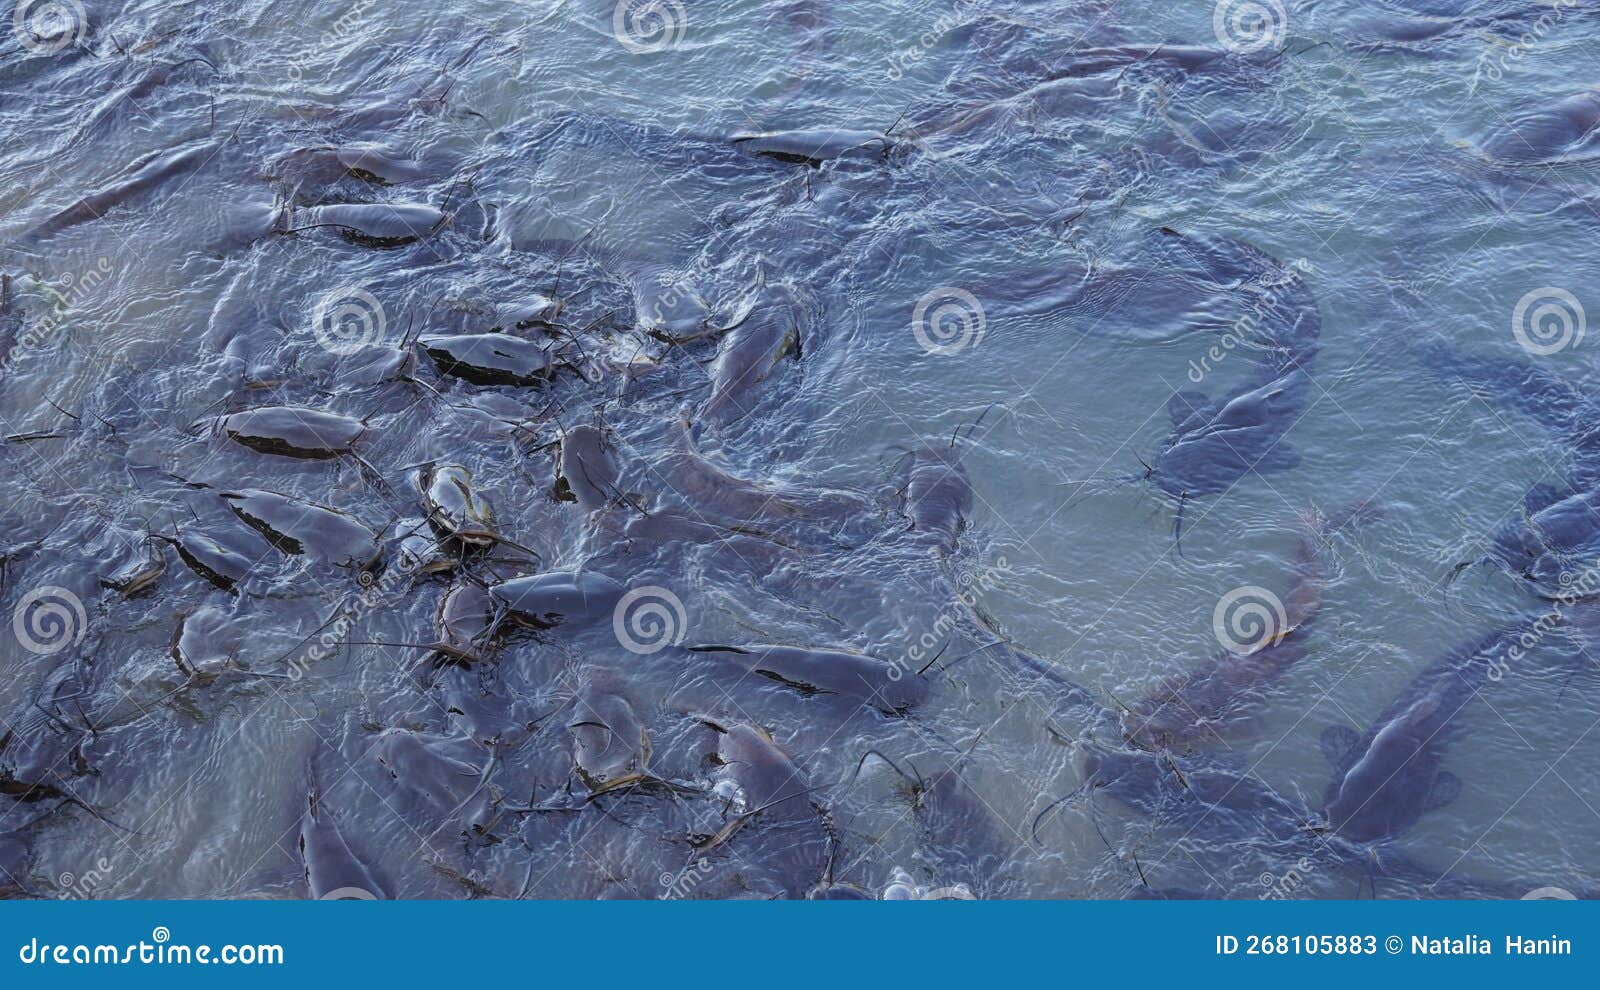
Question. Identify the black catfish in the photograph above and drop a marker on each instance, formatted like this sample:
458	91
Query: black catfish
376	225
1386	779
297	526
332	870
866	680
586	473
558	597
293	431
750	354
142	175
1215	442
771	812
490	358
1227	692
938	496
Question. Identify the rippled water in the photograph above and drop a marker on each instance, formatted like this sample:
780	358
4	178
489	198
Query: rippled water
1374	168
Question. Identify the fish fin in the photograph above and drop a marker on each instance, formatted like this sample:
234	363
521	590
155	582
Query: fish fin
1446	788
1338	740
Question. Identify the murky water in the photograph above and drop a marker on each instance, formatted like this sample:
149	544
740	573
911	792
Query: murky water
1049	220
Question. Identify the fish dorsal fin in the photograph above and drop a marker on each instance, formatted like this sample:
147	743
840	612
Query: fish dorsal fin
1337	742
1446	788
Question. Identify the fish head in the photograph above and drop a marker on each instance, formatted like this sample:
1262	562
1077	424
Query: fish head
1383	790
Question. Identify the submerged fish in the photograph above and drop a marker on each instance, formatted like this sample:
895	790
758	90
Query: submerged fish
1230	690
296	526
332	870
866	680
142	175
771	817
558	597
490	358
1215	442
1386	779
293	431
455	508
